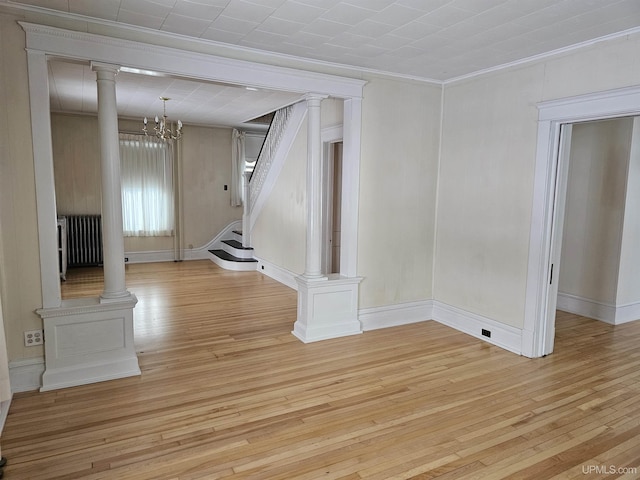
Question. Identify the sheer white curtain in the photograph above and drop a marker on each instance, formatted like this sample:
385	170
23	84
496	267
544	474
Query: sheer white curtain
237	167
146	165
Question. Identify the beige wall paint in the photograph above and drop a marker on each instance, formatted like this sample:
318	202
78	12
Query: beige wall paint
20	267
595	208
398	178
279	234
487	163
628	271
206	168
485	193
76	164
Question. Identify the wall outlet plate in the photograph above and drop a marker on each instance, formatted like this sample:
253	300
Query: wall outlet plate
33	337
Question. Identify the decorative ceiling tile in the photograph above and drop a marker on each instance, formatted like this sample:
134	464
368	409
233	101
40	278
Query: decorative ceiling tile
429	39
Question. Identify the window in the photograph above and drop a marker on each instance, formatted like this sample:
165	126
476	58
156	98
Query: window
146	166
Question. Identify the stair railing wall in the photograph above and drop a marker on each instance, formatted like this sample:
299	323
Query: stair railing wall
255	180
265	159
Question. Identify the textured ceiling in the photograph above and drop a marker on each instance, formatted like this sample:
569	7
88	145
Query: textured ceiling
72	88
429	39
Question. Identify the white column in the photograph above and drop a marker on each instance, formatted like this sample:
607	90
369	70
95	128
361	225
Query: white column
112	238
246	211
313	264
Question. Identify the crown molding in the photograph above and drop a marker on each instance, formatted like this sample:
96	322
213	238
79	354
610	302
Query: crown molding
543	56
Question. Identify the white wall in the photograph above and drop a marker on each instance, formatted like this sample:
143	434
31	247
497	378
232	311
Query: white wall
398	178
595	209
487	164
485	190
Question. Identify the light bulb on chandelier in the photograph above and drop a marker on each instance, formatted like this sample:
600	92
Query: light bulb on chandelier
162	129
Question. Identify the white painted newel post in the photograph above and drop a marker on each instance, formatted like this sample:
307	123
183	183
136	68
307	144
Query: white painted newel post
246	211
112	239
327	304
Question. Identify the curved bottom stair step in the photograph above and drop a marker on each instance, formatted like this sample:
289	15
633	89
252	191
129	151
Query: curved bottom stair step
230	262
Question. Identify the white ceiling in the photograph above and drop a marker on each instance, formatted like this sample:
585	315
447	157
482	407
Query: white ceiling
435	40
72	88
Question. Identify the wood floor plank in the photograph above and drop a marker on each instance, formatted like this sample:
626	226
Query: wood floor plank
226	392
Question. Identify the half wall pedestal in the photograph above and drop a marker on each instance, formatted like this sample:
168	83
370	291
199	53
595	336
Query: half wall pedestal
327	308
86	341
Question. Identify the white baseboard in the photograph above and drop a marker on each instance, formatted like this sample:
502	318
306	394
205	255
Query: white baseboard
627	313
4	411
282	275
502	335
199	253
605	312
395	315
150	256
26	374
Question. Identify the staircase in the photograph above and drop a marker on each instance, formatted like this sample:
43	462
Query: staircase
233	256
258	185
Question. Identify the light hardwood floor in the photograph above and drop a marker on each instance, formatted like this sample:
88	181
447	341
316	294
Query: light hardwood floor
227	392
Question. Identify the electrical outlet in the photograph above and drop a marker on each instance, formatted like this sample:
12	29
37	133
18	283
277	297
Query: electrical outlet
486	333
33	337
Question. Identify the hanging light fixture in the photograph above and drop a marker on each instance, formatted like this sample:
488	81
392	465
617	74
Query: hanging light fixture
162	129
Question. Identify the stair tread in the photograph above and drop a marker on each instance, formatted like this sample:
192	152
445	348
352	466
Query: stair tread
239	232
236	244
231	258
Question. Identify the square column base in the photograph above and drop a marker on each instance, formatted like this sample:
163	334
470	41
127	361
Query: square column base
86	341
327	308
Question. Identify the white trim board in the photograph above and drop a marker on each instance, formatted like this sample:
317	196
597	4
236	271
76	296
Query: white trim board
146	56
394	315
282	275
199	253
603	311
26	374
503	336
4	411
150	256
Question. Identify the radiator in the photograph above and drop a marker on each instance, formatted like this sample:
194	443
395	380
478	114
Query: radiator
84	240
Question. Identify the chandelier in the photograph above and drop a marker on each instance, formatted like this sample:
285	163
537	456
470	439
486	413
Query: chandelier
162	129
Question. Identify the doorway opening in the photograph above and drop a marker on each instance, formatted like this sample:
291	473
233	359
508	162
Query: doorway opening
333	196
550	186
601	228
335	209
